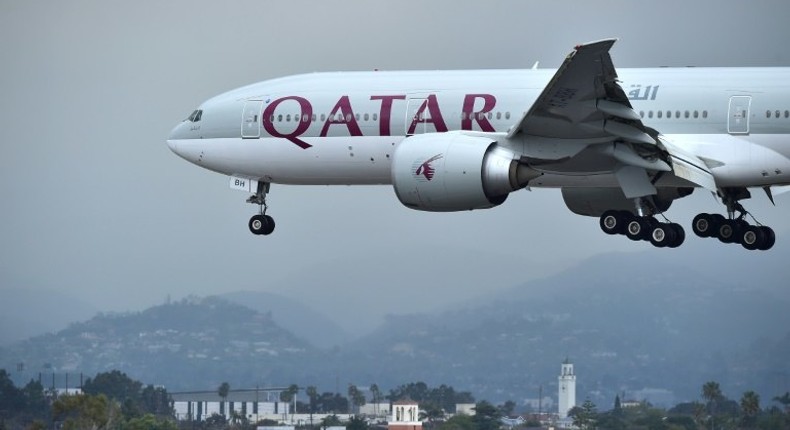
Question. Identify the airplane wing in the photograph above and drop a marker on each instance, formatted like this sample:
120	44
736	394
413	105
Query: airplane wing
585	102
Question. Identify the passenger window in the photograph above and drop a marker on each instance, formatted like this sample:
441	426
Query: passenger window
356	116
650	114
288	118
776	113
767	114
507	115
787	113
313	117
704	114
323	117
490	115
375	117
669	114
686	114
280	118
696	114
366	117
659	113
641	114
499	115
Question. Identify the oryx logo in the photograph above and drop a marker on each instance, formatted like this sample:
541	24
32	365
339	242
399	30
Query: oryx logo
425	169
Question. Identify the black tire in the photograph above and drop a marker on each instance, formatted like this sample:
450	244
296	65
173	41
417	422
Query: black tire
662	235
728	231
753	237
257	224
770	238
612	222
703	225
638	228
680	235
269	225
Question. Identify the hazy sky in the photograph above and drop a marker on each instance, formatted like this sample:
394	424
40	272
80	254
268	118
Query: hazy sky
94	203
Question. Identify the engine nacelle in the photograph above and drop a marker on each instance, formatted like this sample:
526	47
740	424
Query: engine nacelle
596	201
454	172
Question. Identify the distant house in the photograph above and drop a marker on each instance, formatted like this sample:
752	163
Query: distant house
253	403
465	409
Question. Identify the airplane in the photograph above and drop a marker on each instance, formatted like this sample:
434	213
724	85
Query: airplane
620	145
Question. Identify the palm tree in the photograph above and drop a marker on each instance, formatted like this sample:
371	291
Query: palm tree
712	393
376	393
784	400
223	391
312	394
750	405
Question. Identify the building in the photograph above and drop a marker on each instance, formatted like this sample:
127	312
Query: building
255	404
405	416
567	389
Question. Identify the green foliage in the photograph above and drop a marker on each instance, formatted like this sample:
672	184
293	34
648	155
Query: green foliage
584	417
443	396
223	390
330	421
458	422
357	423
486	416
149	422
135	400
85	411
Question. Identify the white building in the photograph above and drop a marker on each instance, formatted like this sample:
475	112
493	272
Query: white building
253	404
567	389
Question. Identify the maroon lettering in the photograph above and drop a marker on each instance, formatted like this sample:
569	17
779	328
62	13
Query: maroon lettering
468	113
306	110
385	114
434	115
346	117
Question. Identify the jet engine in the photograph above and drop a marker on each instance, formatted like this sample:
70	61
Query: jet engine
596	201
454	172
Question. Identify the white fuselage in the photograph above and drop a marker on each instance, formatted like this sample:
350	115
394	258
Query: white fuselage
342	128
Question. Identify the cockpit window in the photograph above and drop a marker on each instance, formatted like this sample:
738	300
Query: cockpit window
195	117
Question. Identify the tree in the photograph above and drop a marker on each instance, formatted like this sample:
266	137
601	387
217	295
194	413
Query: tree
784	400
357	423
114	385
711	392
750	407
223	390
150	422
584	417
507	408
432	413
85	411
376	394
330	421
289	396
312	395
486	416
458	422
356	396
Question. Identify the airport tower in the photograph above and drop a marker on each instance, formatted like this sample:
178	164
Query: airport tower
567	389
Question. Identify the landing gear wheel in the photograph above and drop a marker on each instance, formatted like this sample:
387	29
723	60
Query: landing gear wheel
258	224
729	231
704	225
614	222
638	228
770	238
662	235
680	235
753	237
269	225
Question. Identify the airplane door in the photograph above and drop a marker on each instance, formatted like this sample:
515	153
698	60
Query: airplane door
738	116
251	119
414	116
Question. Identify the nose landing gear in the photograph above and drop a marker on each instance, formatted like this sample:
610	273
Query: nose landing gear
261	224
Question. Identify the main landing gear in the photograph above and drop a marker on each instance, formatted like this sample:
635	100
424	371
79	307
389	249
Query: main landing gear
648	228
261	224
734	228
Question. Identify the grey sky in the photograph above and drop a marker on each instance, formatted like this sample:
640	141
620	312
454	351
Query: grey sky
94	202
